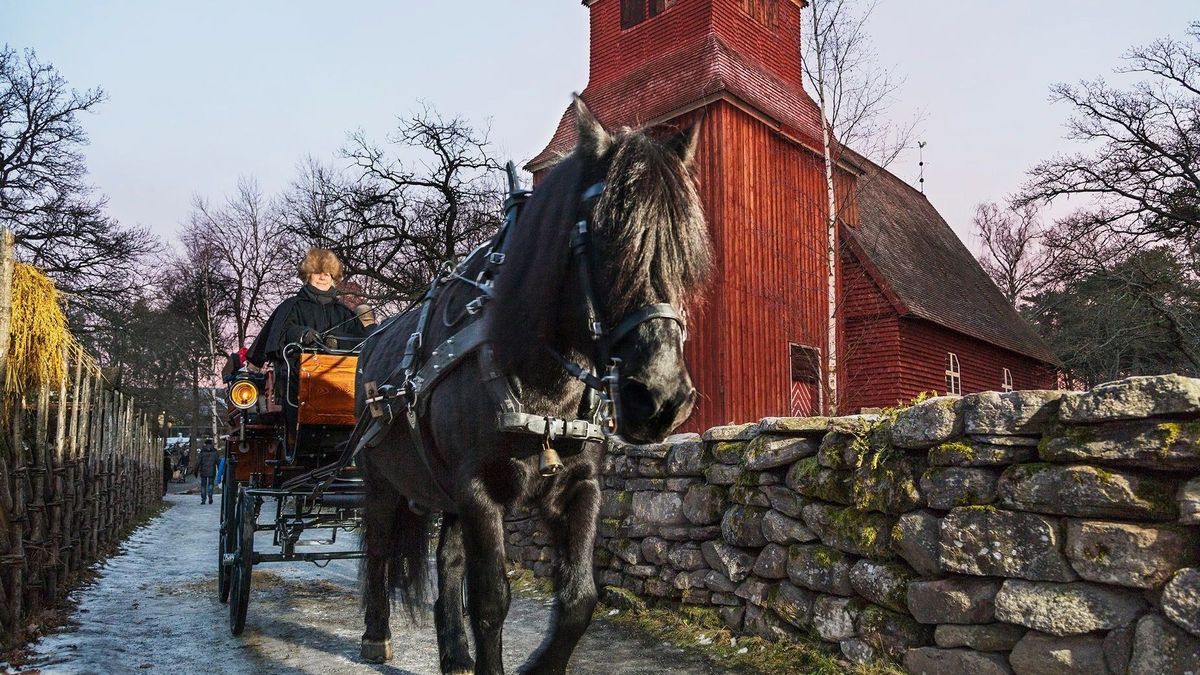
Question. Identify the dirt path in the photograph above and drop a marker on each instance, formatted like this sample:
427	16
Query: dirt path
154	609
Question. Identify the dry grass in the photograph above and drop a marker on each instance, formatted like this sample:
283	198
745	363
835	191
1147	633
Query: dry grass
39	333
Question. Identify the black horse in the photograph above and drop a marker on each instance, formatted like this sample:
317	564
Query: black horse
646	257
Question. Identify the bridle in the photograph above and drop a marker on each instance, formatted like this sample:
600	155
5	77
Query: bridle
605	341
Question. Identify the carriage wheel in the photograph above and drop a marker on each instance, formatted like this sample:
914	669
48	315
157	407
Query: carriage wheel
243	562
227	542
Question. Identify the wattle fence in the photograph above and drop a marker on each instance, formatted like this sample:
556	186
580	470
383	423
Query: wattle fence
1026	532
78	464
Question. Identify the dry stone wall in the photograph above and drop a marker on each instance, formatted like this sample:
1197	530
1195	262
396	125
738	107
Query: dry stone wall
1023	532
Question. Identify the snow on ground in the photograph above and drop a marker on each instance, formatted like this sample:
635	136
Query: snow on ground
154	610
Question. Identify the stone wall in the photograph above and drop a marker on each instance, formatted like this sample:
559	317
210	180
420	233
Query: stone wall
1021	532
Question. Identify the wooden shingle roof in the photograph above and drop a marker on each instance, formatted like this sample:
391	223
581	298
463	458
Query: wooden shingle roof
934	276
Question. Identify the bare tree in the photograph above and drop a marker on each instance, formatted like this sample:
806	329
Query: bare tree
393	223
1142	166
251	253
58	223
853	93
1010	248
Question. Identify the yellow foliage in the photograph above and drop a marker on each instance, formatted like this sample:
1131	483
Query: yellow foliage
39	333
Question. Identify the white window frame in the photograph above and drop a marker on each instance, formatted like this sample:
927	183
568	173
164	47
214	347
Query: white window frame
953	375
1006	380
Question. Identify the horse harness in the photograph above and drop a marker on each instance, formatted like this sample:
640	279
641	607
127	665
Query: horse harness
598	415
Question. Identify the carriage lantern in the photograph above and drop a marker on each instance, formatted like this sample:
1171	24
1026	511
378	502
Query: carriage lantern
243	394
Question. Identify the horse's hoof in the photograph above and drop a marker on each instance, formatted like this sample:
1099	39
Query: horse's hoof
376	651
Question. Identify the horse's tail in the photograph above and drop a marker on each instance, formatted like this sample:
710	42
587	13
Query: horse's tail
406	547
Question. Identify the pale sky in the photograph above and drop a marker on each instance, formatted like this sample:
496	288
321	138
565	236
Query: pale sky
203	92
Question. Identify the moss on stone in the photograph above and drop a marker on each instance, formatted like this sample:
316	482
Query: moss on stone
825	556
953	451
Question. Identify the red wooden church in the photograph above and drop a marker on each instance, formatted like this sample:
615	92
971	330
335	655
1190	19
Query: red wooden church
916	312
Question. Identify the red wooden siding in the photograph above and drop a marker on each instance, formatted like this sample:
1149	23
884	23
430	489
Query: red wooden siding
871	351
764	201
923	349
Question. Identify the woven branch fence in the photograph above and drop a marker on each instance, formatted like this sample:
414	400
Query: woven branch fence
78	463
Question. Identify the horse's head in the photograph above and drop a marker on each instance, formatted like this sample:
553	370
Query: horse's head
629	252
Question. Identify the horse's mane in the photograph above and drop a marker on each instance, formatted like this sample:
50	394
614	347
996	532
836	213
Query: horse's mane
650	232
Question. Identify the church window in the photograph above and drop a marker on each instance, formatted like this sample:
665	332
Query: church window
953	374
765	12
1007	385
634	12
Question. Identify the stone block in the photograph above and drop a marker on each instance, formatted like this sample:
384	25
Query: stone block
1041	654
687	459
814	426
787	502
976	453
1026	412
1066	608
682	484
991	637
916	539
954	600
884	584
840	450
768	451
889	632
685	581
889	484
749	495
793	604
686	557
763	623
730	432
948	487
987	541
724	599
928	423
615	503
781	529
772	562
833	617
1149	444
856	650
1133	398
654	550
1087	492
1126	554
1162	648
733	563
722	474
659	589
1189	502
651	468
820	568
647	484
934	661
689	532
808	478
719	583
627	550
755	591
850	530
658	508
733	617
993	439
1118	647
649	450
1181	600
728	452
742	526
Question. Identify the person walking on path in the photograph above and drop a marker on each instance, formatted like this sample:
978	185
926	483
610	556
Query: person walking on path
206	469
168	469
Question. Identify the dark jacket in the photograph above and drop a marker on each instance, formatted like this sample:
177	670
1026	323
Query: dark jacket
206	462
308	309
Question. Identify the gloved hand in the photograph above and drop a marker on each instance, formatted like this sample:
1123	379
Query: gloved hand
310	338
331	342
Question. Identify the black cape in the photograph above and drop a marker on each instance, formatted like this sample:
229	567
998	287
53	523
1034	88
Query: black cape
297	314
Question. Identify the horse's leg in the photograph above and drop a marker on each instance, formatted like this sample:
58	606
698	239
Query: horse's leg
378	517
448	609
574	533
487	584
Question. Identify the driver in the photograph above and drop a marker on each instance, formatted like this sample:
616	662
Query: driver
313	316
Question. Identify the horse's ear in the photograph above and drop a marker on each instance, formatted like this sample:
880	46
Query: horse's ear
593	139
683	143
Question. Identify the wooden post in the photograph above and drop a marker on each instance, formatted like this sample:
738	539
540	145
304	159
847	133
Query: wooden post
7	264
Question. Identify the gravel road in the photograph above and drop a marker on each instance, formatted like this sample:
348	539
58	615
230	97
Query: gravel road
154	609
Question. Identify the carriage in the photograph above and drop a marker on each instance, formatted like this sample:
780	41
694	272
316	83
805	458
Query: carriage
294	461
